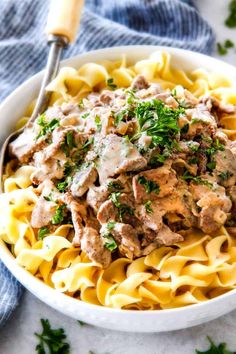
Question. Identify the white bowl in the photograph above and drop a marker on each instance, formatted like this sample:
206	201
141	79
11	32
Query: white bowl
125	320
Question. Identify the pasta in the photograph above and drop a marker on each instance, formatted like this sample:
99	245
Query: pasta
199	268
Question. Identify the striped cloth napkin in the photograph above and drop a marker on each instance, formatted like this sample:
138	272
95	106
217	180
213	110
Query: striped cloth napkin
23	52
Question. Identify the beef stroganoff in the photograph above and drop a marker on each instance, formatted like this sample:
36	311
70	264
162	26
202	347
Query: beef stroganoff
123	192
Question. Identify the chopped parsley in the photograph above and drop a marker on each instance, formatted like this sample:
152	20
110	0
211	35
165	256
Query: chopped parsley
214	148
229	44
42	232
221	49
122	207
196	179
110	84
61	186
70	141
131	96
158	121
111	225
184	129
215	349
150	186
159	159
59	215
109	242
148	208
231	19
87	144
51	340
85	115
211	165
98	123
49	197
46	127
114	186
225	175
193	160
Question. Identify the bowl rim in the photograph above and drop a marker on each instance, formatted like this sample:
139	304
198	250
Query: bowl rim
24	276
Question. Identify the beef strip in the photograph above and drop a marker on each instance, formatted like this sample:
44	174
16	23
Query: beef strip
126	237
26	145
139	83
164	177
214	206
93	245
225	170
44	209
118	155
83	179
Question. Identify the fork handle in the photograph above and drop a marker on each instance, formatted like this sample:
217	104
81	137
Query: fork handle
64	17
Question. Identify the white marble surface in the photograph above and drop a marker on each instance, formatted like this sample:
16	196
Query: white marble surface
17	336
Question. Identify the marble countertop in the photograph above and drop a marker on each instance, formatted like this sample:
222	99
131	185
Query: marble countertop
17	336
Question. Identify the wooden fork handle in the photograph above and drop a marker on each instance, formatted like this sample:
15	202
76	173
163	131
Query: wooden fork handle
64	18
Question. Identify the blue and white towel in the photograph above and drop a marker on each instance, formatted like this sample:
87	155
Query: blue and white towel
23	52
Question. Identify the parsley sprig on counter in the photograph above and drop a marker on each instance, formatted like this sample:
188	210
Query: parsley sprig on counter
215	349
51	340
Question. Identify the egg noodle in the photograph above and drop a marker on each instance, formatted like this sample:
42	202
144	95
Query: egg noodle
195	270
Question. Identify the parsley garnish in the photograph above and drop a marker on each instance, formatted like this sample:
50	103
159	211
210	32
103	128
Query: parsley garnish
61	186
42	232
148	208
214	148
211	165
85	115
46	127
196	179
114	186
150	186
214	349
81	323
98	123
110	242
111	225
122	208
229	44
158	159
48	198
231	19
70	141
158	121
221	49
59	215
185	129
225	175
110	83
193	160
51	340
86	145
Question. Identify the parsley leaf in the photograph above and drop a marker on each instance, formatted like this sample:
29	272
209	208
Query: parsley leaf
196	179
42	232
148	208
109	242
51	340
225	175
98	123
46	127
221	49
158	121
110	83
228	44
122	207
231	19
150	186
61	186
214	349
114	186
70	141
111	225
59	215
